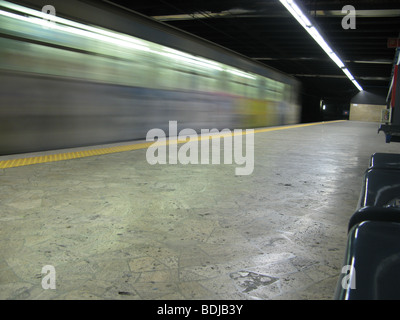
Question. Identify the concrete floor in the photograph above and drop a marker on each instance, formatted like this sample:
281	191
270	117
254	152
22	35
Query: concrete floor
115	227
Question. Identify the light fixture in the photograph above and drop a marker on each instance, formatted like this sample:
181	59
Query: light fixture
298	14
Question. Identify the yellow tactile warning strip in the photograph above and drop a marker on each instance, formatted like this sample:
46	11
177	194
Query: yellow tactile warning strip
4	164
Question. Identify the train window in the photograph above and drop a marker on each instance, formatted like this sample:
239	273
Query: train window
252	92
223	82
185	80
246	91
278	96
213	84
260	88
236	88
241	90
166	78
204	83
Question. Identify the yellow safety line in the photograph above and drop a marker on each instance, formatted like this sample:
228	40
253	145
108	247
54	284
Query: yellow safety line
5	164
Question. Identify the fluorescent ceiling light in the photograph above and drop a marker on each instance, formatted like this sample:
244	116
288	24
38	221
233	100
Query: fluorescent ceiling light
348	74
337	60
357	85
298	14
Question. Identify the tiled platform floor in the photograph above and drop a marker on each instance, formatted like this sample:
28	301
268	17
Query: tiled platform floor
115	227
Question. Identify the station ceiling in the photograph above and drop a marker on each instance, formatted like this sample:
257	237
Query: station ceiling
265	31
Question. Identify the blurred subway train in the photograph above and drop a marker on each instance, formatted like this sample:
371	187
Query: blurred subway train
78	79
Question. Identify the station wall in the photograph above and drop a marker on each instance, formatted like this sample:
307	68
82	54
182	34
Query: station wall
367	106
366	112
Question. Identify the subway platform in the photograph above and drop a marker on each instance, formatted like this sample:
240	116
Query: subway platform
115	227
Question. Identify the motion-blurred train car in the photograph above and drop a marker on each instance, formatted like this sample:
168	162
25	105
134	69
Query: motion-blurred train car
97	74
